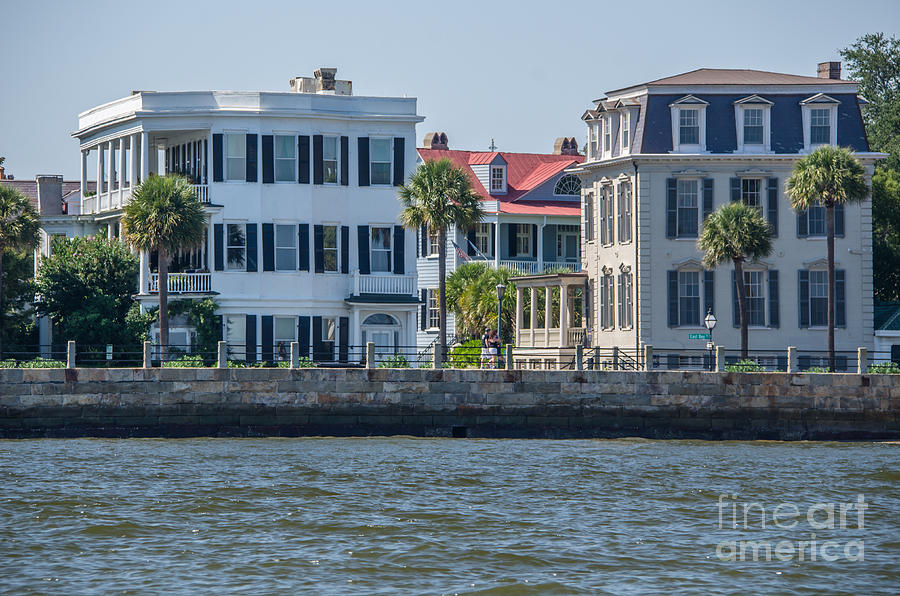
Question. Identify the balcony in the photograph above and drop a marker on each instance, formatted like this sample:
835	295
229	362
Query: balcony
538	267
384	284
201	191
119	197
184	283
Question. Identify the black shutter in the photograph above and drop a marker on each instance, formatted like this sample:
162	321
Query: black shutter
772	211
399	250
363	156
423	241
802	224
470	248
671	208
735	304
709	292
399	157
317	339
493	238
840	299
251	247
345	249
319	249
303	242
362	245
250	338
220	324
673	298
343	339
303	159
268	159
534	240
217	157
345	161
318	165
251	158
839	220
219	246
774	307
735	189
268	248
423	310
511	231
803	276
303	335
205	167
268	338
707	197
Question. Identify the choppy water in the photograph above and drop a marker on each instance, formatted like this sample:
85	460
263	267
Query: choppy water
404	515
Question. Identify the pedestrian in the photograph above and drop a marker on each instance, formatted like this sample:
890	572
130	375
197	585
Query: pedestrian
494	343
485	348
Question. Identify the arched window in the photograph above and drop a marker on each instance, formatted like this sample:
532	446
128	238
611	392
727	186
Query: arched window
380	319
568	185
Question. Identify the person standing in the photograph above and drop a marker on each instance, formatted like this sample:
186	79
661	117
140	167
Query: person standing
485	348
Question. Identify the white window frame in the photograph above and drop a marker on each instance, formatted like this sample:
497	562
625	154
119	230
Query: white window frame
763	295
823	273
607	136
698	199
390	161
624	199
433	309
607	215
292	160
698	297
501	187
434	245
819	209
563	232
229	246
593	140
739	111
626	300
688	103
625	131
389	251
523	234
283	248
761	190
285	339
336	160
329	329
589	217
336	249
235	333
483	239
228	157
819	102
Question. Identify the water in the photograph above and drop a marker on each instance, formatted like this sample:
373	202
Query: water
404	515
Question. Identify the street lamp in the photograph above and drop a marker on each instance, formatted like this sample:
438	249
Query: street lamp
501	290
710	322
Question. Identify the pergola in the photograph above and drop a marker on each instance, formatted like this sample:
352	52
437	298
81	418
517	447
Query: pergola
558	331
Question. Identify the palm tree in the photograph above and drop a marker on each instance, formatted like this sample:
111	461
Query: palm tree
828	176
19	225
164	215
440	196
736	232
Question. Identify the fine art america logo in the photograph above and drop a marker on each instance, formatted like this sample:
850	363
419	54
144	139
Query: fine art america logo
828	518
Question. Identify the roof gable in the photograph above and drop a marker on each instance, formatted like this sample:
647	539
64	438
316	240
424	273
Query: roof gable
818	98
754	99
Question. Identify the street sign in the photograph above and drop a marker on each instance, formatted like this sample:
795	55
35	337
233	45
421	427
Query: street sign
698	336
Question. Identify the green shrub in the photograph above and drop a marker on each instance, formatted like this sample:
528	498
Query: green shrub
745	365
395	361
884	368
36	363
817	369
10	363
465	355
302	362
186	361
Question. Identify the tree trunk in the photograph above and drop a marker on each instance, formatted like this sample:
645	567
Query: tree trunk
742	305
442	295
163	290
1	303
829	222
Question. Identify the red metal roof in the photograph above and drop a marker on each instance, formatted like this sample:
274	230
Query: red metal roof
476	159
542	208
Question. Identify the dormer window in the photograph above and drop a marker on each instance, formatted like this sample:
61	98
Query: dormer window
607	135
752	116
819	121
819	126
753	126
689	125
625	131
498	182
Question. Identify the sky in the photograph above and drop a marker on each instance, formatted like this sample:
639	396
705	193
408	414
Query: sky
521	73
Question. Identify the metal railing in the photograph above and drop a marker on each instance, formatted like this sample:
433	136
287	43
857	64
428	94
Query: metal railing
401	285
184	283
538	267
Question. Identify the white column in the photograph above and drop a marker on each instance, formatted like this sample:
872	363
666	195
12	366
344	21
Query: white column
111	167
497	244
548	314
84	157
122	167
540	248
563	315
518	315
134	172
145	156
144	288
101	169
355	333
534	294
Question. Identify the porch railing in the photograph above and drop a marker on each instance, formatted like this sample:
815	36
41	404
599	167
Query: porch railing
402	285
184	283
538	267
201	191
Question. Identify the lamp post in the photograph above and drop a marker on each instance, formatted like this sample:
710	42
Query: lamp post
501	290
710	322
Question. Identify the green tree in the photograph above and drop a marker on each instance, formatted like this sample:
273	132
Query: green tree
165	216
736	232
828	176
440	196
886	234
85	287
17	328
19	229
472	292
874	61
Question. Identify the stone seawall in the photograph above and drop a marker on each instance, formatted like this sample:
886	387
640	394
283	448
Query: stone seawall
473	403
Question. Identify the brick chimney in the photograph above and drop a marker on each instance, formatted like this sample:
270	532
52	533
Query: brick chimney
49	190
565	146
2	173
436	140
829	70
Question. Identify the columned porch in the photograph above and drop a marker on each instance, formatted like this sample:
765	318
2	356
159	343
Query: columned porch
550	311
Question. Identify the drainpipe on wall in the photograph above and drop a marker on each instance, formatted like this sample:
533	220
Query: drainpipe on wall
636	310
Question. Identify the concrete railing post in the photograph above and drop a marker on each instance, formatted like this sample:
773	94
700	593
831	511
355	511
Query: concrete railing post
579	357
370	354
596	358
862	360
792	360
148	363
437	357
615	357
720	358
509	358
70	354
295	354
648	357
222	355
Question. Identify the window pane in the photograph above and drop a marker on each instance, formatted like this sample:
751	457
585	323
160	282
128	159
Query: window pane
381	238
236	145
689	121
689	297
687	207
329	236
751	191
284	147
284	329
820	126
284	170
328	327
381	173
816	215
380	150
329	148
284	236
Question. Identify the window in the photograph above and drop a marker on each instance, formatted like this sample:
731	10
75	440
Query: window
625	301
497	179
434	315
434	245
594	138
625	130
285	158
567	243
236	336
380	160
330	159
816	219
607	135
818	298
329	326
820	126
753	126
751	192
285	329
237	247
689	126
380	249
568	185
607	302
687	192
523	240
756	301
235	157
285	247
330	247
606	216
688	298
589	217
624	200
483	239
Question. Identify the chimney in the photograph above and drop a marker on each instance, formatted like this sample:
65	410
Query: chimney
324	79
565	146
829	70
49	191
323	82
435	140
2	173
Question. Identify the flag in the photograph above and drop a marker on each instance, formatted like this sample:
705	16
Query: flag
461	253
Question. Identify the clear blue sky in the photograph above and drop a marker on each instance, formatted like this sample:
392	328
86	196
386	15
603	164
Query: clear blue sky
520	72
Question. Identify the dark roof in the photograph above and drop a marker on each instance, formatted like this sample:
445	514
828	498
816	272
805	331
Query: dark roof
736	76
30	190
383	299
887	316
